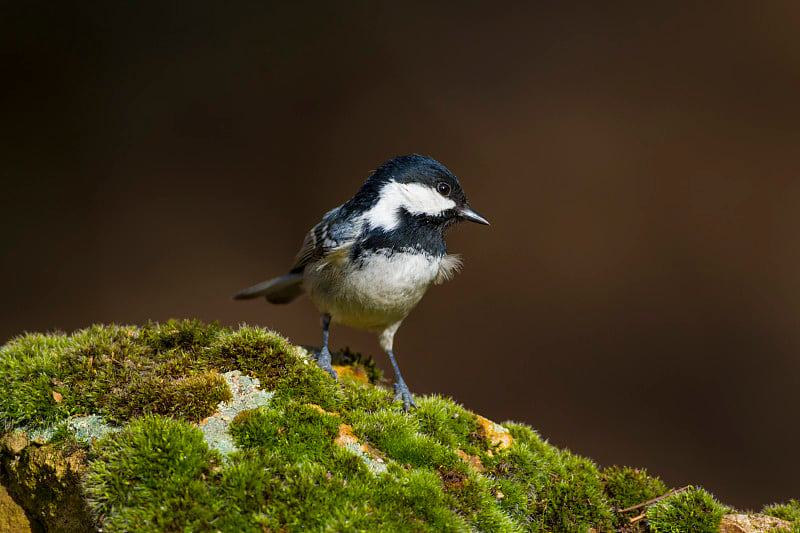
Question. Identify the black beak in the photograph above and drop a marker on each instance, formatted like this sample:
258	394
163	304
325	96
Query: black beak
468	214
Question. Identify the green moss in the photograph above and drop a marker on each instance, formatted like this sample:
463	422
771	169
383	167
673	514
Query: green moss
471	495
279	365
398	435
450	424
691	511
115	371
27	366
546	488
298	431
158	474
152	476
192	397
787	511
61	434
627	487
179	335
173	369
355	395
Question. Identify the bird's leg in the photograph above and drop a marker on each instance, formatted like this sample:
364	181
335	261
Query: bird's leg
401	391
324	356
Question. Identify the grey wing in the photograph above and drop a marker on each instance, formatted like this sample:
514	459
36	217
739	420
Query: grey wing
312	249
333	234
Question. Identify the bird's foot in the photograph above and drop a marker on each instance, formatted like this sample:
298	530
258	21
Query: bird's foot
402	393
324	362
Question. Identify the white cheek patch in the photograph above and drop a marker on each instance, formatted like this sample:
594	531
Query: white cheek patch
415	198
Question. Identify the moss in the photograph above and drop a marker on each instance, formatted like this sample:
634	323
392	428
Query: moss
306	458
787	511
450	424
173	369
628	487
691	511
398	435
151	476
471	496
548	489
115	371
158	475
179	335
192	397
316	499
27	365
62	434
298	431
277	364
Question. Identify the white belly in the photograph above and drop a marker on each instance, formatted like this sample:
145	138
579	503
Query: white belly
375	296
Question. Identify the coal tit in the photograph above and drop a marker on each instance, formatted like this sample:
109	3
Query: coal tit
370	260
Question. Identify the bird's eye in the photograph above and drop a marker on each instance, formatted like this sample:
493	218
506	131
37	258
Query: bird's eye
443	188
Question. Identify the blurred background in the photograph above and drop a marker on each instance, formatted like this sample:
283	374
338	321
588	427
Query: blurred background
637	297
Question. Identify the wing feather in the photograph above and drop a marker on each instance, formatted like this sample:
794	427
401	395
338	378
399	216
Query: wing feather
333	235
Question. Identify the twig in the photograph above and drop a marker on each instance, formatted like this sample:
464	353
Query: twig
654	500
637	518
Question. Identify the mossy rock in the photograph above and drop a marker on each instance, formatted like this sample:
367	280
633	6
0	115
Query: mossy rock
46	481
194	427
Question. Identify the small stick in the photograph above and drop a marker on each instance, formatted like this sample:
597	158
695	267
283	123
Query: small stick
637	518
654	500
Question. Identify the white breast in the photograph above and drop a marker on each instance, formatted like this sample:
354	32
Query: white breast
380	292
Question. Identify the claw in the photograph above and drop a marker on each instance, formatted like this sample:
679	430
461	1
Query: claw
324	361
402	393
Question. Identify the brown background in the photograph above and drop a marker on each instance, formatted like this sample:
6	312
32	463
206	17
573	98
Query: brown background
637	297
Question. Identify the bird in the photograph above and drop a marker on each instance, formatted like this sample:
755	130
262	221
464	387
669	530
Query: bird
369	262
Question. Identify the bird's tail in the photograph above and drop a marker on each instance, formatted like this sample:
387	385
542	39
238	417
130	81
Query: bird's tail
280	290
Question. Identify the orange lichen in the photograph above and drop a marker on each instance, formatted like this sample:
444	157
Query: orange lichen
321	410
495	434
357	372
347	439
471	460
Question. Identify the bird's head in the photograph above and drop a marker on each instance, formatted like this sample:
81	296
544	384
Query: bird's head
418	186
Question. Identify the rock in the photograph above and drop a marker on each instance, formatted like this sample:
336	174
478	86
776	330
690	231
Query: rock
14	442
47	482
12	516
496	434
752	523
245	394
